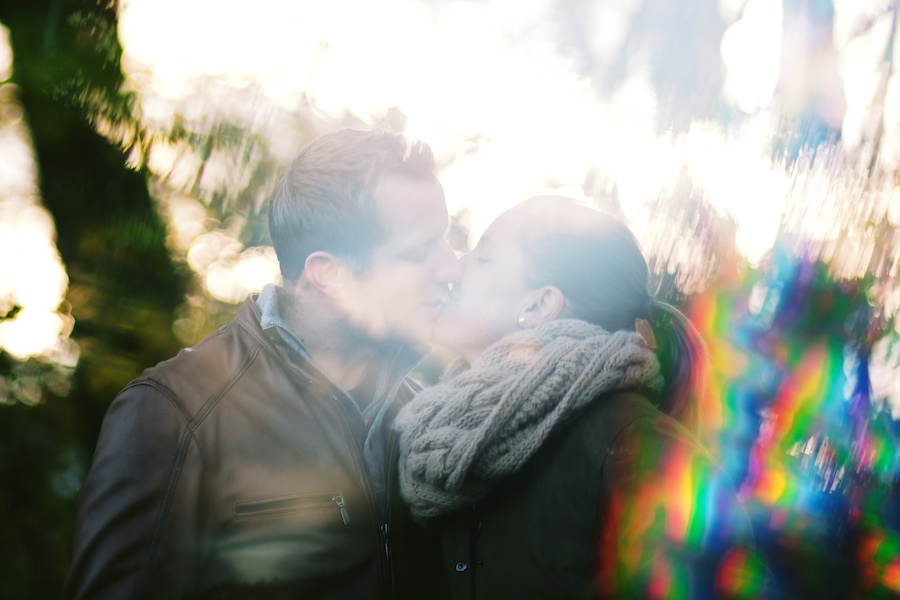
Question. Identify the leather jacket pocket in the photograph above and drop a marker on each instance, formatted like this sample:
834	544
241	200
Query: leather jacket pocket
277	506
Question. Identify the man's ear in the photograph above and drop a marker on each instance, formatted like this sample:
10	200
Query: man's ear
327	273
542	305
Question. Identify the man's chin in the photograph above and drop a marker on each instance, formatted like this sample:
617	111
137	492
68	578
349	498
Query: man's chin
443	333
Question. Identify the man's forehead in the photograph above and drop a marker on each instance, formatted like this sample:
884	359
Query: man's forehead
412	210
405	202
400	193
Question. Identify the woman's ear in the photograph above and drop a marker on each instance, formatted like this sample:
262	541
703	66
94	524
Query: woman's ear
542	305
327	273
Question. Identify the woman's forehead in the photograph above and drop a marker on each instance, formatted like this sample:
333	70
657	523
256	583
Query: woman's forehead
517	219
501	231
524	221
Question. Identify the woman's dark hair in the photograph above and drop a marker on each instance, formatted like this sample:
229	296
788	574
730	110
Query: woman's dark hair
596	262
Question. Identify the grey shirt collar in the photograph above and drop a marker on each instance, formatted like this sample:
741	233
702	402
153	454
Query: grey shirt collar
271	321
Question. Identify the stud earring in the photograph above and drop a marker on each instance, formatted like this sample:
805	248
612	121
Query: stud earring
521	321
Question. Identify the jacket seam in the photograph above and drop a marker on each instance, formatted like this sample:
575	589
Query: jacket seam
165	391
613	439
193	421
211	402
164	511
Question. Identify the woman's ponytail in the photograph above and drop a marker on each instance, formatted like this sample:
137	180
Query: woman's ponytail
685	363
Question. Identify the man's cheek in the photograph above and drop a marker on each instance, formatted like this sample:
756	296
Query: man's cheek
416	284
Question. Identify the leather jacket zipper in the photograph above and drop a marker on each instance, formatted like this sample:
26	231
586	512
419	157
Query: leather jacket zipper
388	480
385	536
274	507
386	570
339	500
392	447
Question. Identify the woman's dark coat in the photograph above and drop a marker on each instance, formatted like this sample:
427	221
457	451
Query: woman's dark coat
622	502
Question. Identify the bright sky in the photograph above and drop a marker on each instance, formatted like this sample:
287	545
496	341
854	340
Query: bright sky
542	128
490	71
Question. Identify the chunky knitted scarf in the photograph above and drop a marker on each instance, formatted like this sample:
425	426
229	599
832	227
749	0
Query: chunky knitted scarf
482	423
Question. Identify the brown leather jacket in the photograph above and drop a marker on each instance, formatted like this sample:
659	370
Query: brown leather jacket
236	471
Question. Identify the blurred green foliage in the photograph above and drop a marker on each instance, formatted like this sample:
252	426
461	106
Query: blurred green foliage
123	285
